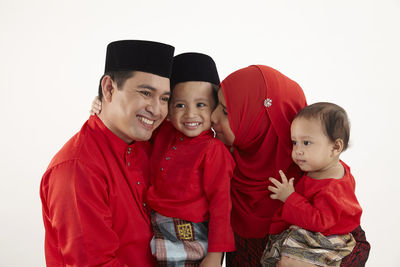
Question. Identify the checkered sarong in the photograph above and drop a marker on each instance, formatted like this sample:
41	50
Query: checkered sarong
311	247
178	242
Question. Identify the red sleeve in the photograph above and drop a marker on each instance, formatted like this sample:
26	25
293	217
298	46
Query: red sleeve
318	216
77	217
218	171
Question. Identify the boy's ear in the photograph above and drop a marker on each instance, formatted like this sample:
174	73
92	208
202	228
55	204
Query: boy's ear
337	147
107	87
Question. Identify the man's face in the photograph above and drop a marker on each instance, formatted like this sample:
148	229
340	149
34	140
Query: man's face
139	107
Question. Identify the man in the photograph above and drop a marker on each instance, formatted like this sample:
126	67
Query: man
92	193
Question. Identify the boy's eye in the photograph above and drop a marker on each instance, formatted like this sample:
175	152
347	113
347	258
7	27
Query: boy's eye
306	143
200	105
180	105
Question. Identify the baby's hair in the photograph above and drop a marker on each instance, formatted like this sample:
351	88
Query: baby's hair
333	118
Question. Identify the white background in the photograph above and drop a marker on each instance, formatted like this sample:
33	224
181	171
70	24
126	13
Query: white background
52	56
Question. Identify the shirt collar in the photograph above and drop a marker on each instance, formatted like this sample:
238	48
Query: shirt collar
118	145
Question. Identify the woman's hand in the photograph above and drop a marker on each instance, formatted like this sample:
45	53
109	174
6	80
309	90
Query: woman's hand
282	190
213	259
96	106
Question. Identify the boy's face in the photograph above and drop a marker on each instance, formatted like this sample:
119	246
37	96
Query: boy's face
312	149
191	106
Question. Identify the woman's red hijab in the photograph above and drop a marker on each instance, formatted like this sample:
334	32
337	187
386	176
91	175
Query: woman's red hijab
261	104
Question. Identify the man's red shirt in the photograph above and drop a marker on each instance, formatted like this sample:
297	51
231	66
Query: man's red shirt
93	201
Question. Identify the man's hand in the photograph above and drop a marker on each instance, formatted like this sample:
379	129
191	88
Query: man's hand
282	190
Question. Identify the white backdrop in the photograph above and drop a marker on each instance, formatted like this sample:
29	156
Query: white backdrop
52	56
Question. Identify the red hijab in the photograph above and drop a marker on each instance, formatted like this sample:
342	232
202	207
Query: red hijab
261	104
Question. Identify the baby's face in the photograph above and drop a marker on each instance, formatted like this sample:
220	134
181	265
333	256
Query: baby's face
312	148
191	106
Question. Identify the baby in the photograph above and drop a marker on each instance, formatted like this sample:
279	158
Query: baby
314	224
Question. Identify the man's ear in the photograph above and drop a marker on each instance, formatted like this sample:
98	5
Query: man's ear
107	87
337	147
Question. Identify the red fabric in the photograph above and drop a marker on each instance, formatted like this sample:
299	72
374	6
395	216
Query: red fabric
360	253
92	198
329	206
262	142
191	181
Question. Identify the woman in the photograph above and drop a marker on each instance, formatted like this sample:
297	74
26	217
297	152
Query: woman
256	107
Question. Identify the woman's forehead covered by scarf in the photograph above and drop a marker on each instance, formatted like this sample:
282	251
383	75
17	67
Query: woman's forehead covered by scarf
258	96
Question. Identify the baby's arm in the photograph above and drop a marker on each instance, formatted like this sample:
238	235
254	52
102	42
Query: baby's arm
282	190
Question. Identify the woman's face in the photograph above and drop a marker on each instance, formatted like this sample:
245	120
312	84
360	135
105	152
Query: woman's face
220	122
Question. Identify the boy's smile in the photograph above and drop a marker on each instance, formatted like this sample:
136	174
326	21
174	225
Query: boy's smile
191	107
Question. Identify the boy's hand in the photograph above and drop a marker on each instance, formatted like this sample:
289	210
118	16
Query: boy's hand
282	190
213	259
96	106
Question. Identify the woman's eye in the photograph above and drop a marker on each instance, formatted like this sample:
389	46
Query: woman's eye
306	143
180	105
224	111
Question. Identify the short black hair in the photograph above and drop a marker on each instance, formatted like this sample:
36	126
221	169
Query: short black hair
117	76
333	118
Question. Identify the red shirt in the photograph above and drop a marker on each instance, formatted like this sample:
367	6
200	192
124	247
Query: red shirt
328	206
92	197
191	180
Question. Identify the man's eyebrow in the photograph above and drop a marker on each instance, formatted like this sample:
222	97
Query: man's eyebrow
146	86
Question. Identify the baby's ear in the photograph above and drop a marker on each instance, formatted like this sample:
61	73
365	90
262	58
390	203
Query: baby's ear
338	146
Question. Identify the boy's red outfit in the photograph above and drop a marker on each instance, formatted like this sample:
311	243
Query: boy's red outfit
328	206
93	201
190	180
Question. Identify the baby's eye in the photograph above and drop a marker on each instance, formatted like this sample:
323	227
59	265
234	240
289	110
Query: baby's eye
306	143
294	142
180	105
200	105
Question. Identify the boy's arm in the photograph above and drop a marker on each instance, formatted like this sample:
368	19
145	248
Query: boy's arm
77	217
218	171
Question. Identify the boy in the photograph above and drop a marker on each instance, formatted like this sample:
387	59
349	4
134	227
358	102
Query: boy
191	172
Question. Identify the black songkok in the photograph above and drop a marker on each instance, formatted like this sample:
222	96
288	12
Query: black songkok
146	56
194	67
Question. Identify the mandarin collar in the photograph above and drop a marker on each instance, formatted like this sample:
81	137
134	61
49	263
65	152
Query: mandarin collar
205	134
118	145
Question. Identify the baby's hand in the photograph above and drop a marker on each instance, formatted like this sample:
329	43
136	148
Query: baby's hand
282	190
213	259
96	106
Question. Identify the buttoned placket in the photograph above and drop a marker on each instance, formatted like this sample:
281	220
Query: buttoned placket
129	159
169	154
